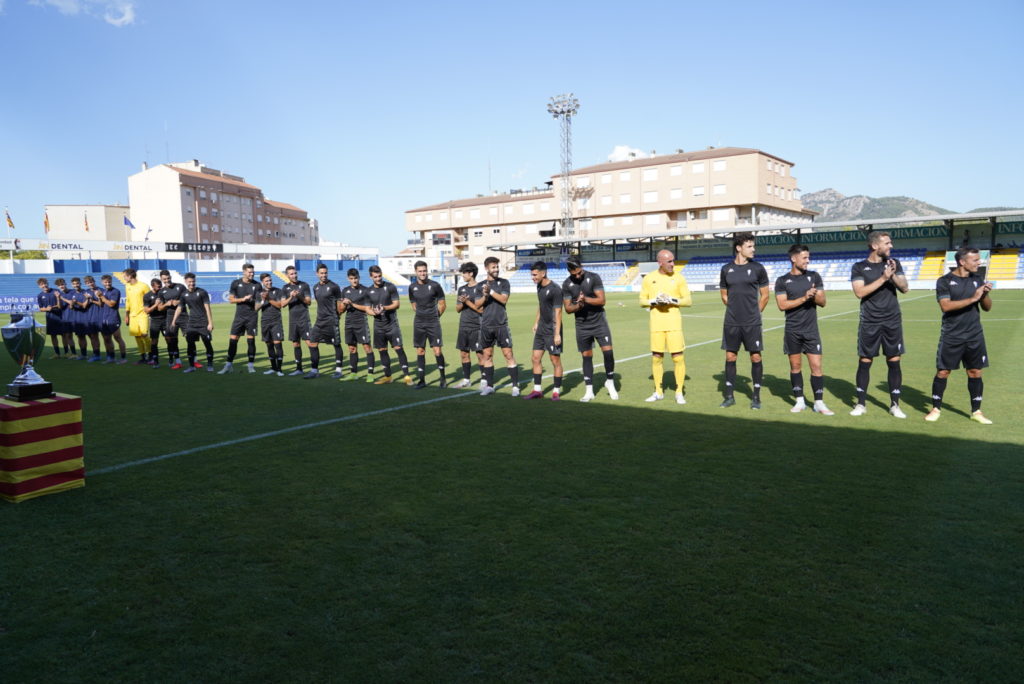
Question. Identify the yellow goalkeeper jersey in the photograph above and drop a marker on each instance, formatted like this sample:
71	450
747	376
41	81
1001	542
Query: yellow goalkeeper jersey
133	298
665	317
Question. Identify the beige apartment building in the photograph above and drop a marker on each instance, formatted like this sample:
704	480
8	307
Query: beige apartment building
189	202
711	190
87	222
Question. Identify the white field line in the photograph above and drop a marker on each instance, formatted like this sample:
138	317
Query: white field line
378	412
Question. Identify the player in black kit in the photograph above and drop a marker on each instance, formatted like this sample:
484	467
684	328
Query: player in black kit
547	331
427	299
961	293
875	281
799	293
328	307
492	297
743	284
354	300
243	293
469	323
583	295
157	320
199	322
170	298
269	302
383	303
298	297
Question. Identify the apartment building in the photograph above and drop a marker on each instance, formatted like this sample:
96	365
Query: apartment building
710	190
190	202
87	222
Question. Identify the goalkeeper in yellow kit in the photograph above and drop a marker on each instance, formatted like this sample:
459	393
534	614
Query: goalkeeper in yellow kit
135	316
663	292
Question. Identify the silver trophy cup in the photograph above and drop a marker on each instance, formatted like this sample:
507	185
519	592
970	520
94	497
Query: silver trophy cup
24	340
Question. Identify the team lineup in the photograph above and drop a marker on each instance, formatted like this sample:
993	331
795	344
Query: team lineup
163	309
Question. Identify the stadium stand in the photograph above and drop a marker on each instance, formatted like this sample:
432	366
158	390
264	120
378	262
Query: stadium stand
610	272
933	265
833	266
1004	264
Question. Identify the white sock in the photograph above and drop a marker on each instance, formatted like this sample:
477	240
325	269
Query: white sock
538	388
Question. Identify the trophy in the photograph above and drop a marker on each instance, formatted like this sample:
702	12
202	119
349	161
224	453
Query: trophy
25	340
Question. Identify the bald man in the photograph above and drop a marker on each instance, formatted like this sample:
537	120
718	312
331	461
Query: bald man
663	292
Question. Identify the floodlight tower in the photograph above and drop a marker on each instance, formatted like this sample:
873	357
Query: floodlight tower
564	107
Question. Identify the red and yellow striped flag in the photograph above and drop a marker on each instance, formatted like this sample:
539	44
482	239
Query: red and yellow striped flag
10	223
46	221
86	217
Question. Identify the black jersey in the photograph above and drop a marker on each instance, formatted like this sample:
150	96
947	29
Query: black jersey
425	296
743	283
804	318
469	318
494	314
384	295
881	305
588	284
239	289
357	294
271	314
150	299
962	325
327	296
170	293
194	302
549	298
298	310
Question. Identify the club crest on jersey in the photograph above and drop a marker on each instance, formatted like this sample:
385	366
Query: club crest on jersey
748	271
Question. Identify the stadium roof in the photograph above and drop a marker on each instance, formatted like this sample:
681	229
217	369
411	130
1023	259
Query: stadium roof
710	153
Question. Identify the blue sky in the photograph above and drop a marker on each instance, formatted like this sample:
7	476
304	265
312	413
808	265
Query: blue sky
358	112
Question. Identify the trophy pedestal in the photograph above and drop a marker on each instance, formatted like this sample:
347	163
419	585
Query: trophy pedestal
43	390
40	447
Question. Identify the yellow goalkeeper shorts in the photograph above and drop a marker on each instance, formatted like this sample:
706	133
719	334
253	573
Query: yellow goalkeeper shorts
138	326
670	341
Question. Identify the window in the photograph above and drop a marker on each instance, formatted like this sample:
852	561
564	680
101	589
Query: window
275	220
214	228
202	194
624	176
277	233
625	198
606	178
650	174
443	216
527	209
188	209
509	211
259	204
214	211
496	231
493	211
188	193
652	219
782	170
768	188
608	222
718	189
213	197
721	214
627	220
606	200
204	226
545	206
583	182
429	218
697	168
768	164
419	218
675	193
478	233
458	215
675	170
202	211
650	196
584	202
718	165
698	191
259	218
474	213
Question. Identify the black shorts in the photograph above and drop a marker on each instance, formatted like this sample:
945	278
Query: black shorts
499	335
468	339
971	354
111	327
298	330
544	340
272	332
324	332
888	336
387	334
357	335
800	343
54	325
589	335
747	335
244	325
426	334
66	327
158	326
194	334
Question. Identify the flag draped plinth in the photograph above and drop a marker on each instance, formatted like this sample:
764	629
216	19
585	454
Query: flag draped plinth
40	447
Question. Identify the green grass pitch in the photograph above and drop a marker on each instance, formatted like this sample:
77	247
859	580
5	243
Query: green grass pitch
484	538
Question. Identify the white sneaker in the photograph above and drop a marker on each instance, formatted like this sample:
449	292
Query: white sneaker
897	412
251	367
859	410
819	407
280	374
933	415
589	395
463	384
296	372
798	406
485	390
266	372
515	391
657	396
610	386
225	370
680	399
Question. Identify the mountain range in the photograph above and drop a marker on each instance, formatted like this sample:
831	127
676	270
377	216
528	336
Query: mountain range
834	206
